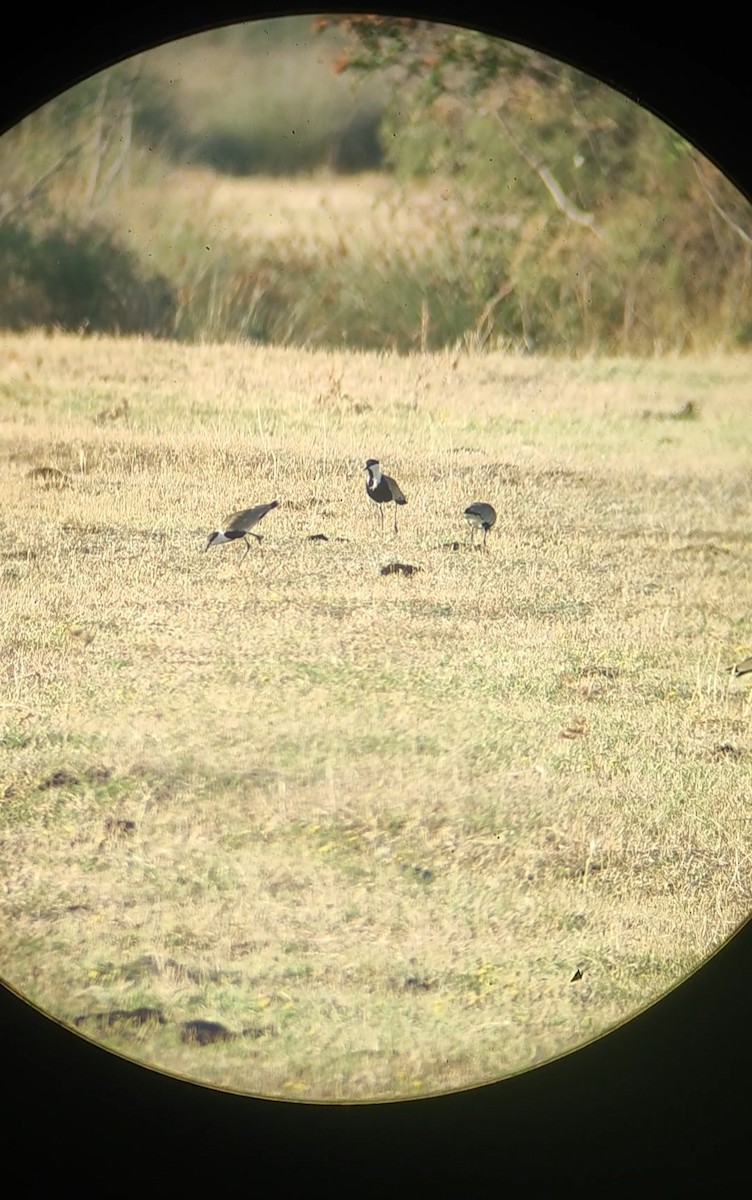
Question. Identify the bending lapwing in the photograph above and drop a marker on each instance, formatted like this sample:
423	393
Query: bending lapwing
240	525
480	516
742	668
383	489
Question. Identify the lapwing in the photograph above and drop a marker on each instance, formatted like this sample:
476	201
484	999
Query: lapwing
742	668
480	516
240	525
383	489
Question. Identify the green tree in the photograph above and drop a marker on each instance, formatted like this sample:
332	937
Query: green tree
588	223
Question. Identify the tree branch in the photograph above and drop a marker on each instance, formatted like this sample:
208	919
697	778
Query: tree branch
39	183
721	212
562	202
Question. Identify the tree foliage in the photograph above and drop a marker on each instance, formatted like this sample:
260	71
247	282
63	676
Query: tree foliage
78	278
561	216
590	224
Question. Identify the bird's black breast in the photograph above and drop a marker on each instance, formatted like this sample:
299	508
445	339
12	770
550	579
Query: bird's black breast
381	492
232	534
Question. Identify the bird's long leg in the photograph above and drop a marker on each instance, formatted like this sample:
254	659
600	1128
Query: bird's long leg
395	518
485	535
381	514
247	547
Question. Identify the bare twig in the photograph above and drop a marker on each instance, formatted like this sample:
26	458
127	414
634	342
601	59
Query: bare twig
98	142
121	160
721	212
562	202
41	182
486	316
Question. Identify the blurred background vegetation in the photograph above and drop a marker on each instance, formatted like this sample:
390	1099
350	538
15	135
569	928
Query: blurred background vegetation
549	213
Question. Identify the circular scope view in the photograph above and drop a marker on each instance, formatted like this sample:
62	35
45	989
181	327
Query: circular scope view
376	513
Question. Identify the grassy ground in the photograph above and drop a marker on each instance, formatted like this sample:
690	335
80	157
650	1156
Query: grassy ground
369	825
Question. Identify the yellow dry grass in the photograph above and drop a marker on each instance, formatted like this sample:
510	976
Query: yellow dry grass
370	824
312	214
319	216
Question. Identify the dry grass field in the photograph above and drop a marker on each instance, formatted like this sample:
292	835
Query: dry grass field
366	209
368	825
317	215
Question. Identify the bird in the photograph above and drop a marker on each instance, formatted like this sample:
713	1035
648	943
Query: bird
742	668
480	516
383	489
240	525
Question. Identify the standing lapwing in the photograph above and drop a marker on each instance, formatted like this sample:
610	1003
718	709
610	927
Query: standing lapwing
480	516
240	525
383	489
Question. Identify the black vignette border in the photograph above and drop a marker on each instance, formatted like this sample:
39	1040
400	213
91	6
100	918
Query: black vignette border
663	1100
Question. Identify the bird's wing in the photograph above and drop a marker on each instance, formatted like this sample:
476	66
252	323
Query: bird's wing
484	512
395	489
249	517
261	510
